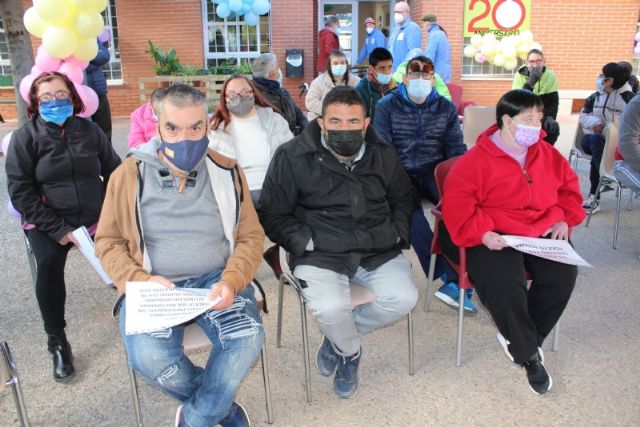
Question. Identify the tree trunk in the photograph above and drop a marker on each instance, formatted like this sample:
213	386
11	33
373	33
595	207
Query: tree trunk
20	51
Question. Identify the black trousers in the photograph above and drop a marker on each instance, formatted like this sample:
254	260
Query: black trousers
523	316
51	292
102	116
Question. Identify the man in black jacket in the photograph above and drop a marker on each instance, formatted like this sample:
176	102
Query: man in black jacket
339	201
267	76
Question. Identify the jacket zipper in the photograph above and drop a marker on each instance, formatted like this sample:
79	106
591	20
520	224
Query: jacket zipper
73	174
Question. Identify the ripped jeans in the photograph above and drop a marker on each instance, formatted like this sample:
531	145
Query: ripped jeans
207	393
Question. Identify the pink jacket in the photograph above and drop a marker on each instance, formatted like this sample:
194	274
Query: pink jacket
143	126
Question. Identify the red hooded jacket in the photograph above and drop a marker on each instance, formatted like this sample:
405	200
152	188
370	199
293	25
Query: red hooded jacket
328	41
487	190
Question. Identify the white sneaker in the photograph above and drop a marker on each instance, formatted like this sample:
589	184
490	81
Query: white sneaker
505	346
591	201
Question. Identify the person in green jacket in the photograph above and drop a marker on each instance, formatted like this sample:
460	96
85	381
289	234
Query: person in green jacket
378	82
438	84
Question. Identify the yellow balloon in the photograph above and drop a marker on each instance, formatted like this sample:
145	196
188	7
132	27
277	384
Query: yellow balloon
488	49
89	25
510	63
59	41
52	10
509	51
490	38
526	36
34	23
87	49
90	5
476	40
498	60
469	51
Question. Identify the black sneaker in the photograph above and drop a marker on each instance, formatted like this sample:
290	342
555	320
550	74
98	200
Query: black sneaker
345	383
539	380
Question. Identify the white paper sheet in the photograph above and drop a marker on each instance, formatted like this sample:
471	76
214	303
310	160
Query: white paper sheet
555	250
153	307
88	250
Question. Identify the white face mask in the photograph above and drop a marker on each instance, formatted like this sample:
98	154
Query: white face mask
369	30
398	18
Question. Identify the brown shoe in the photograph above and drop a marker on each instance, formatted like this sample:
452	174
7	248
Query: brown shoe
272	257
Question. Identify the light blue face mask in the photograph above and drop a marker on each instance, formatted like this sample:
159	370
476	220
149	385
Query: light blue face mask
383	79
56	111
338	70
419	88
600	83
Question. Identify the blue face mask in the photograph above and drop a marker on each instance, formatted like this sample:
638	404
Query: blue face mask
338	70
383	79
56	111
419	88
600	83
185	154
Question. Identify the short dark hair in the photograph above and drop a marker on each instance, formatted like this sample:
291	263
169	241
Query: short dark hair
33	109
343	95
379	54
515	102
337	54
617	72
330	20
536	51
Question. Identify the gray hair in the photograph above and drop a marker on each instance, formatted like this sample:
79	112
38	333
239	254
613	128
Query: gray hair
330	20
180	95
264	64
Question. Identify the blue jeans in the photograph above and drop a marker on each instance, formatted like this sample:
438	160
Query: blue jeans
329	297
593	145
207	393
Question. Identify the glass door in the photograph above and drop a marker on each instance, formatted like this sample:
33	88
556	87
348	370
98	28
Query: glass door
347	13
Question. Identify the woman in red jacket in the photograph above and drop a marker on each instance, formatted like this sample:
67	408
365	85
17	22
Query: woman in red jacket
510	183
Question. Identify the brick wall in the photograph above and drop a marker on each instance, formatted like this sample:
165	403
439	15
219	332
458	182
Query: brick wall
578	37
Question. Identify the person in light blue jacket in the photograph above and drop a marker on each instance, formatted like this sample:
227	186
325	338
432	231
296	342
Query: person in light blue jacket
374	39
406	34
438	48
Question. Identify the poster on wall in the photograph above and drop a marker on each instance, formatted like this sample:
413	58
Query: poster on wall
499	17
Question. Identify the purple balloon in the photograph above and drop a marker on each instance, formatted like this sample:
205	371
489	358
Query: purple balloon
105	35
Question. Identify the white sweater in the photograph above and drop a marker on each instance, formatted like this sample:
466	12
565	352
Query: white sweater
252	148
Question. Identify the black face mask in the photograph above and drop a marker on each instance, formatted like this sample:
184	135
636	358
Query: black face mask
346	143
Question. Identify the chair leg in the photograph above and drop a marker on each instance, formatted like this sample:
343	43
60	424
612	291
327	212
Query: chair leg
617	222
267	386
280	300
630	199
429	288
15	385
412	368
133	383
305	347
460	324
556	337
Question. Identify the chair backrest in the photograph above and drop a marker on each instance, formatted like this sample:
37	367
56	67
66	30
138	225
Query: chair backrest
611	142
476	120
194	337
441	171
577	140
456	95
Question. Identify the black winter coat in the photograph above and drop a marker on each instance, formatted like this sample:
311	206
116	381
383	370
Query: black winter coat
424	134
57	175
280	98
356	216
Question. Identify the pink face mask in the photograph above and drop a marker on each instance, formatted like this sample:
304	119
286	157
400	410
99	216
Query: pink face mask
525	135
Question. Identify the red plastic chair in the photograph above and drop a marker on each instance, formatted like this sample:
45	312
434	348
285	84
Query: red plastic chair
464	283
456	98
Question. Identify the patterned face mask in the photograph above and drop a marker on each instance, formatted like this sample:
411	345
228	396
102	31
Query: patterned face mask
525	135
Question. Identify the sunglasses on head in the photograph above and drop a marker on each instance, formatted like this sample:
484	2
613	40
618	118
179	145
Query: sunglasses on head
416	67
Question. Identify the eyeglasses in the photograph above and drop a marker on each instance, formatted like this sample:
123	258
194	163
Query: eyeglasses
416	71
535	61
47	97
231	95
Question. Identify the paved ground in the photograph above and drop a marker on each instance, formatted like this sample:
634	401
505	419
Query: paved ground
596	372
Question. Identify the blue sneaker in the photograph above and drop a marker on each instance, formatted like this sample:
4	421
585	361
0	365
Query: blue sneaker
449	294
237	417
345	383
326	358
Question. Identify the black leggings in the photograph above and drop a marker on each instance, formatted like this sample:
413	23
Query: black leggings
523	316
51	292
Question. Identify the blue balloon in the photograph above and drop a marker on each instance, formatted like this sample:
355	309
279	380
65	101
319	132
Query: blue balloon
235	5
223	10
245	8
260	7
219	1
251	18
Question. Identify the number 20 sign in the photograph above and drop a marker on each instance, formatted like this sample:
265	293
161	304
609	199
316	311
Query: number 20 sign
501	17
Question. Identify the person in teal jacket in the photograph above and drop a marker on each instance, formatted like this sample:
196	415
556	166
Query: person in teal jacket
378	82
373	40
438	84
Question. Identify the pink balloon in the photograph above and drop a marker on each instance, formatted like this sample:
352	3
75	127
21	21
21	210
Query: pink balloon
72	71
14	213
35	70
46	62
89	98
77	62
25	86
636	50
105	35
637	37
5	143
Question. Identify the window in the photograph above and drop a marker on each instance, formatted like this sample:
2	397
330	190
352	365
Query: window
229	41
471	68
6	78
113	69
